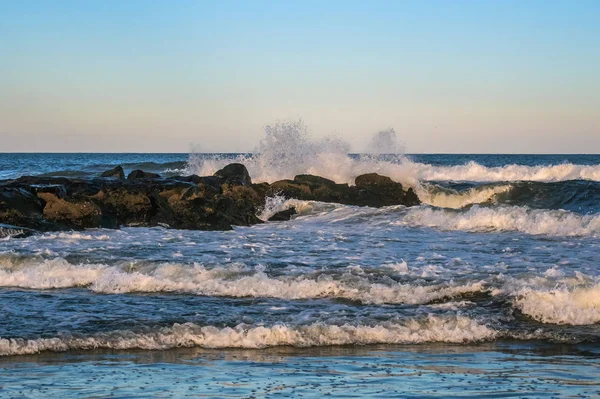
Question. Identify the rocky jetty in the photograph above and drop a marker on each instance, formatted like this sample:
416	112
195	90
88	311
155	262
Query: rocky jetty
369	190
229	198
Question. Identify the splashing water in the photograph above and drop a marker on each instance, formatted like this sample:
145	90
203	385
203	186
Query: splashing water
288	150
385	142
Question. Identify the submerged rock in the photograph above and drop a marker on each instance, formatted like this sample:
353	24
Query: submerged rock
140	174
284	215
116	172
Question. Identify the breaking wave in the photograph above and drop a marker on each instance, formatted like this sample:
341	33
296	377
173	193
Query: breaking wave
449	198
458	329
474	219
556	299
231	281
505	218
578	306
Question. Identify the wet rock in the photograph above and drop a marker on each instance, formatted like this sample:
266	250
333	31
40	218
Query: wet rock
290	189
283	215
370	190
124	206
238	204
20	207
57	189
311	180
371	180
235	174
116	172
71	214
140	174
376	190
184	202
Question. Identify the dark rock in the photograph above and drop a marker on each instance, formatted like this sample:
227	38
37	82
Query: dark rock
311	180
72	213
291	189
57	189
411	198
210	180
236	174
20	207
116	172
370	190
283	215
140	174
376	190
373	180
184	202
238	204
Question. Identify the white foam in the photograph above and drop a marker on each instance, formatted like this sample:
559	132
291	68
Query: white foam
48	274
575	306
475	219
232	281
273	205
457	329
74	236
472	171
447	199
508	218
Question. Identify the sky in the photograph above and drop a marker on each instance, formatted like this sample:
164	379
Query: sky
169	76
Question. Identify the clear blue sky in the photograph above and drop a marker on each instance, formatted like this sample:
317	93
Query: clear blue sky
449	76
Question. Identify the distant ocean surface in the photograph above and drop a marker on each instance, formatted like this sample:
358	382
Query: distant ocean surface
490	288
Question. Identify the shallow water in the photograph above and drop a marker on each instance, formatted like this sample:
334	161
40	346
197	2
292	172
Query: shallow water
495	370
490	288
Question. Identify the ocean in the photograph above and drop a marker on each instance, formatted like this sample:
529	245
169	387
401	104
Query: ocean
490	288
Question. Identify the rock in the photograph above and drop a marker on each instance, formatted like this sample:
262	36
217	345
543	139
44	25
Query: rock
290	189
57	189
373	180
73	213
311	180
283	215
20	207
376	190
238	204
116	172
184	202
411	198
235	174
140	174
124	206
370	190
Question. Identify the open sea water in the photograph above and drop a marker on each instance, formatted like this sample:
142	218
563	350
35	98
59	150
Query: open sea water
490	288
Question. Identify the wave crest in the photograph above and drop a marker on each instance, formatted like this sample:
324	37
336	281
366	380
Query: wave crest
457	329
577	306
506	218
231	281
